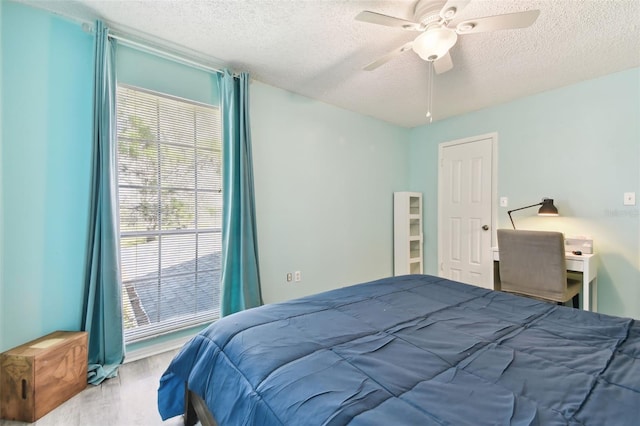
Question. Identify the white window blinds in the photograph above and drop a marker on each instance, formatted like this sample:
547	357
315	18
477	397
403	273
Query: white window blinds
170	205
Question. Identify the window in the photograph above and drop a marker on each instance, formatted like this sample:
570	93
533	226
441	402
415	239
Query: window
170	204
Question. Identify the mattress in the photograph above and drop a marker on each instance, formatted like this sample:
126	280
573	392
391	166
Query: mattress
411	350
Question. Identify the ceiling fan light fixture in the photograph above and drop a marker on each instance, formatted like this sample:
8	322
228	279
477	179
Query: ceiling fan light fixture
434	43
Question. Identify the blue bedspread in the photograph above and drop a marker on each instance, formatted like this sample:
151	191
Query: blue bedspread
412	350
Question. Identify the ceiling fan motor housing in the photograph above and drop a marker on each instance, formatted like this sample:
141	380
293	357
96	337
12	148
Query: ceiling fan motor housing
428	11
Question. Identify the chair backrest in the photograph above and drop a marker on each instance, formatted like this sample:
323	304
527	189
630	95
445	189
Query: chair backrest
533	263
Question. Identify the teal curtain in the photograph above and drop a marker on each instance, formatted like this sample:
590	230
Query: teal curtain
240	272
103	308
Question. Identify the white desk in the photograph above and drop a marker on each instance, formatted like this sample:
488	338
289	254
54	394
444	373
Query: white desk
585	263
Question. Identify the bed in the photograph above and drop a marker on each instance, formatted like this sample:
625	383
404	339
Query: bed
409	350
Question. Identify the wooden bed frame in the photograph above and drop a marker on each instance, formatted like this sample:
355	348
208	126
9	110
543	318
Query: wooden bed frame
195	409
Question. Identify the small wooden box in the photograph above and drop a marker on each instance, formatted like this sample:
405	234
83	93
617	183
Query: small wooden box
40	375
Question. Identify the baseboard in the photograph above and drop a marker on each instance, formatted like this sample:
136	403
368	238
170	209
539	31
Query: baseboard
155	349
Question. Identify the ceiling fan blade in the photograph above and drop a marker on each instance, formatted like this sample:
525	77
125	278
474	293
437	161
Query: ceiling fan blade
389	56
498	22
452	8
386	20
443	64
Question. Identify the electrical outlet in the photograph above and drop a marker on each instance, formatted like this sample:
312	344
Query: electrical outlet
298	276
629	198
289	277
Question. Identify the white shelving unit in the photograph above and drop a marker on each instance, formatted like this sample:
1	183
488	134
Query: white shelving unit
407	233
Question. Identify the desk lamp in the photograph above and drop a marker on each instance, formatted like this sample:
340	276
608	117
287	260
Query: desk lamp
547	209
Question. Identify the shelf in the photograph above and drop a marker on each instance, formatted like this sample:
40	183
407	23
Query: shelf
415	227
407	233
415	203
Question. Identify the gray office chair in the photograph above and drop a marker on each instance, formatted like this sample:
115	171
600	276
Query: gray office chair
532	264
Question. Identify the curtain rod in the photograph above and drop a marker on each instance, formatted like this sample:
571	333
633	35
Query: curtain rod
164	53
121	34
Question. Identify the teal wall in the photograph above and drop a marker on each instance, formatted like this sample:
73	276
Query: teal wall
46	149
324	176
579	145
151	72
324	179
321	175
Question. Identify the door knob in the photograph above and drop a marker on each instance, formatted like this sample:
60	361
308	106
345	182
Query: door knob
485	227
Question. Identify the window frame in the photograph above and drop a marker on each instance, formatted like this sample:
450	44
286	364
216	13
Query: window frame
158	328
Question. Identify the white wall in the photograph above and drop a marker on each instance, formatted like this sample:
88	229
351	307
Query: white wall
324	181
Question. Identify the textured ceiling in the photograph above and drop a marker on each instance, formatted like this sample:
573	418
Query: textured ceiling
317	49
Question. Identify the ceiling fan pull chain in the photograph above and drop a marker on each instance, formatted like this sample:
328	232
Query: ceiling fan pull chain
430	91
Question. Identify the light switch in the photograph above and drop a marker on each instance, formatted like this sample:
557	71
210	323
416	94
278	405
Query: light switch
629	198
504	201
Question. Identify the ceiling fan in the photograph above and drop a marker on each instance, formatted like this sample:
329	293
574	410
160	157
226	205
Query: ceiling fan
433	18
